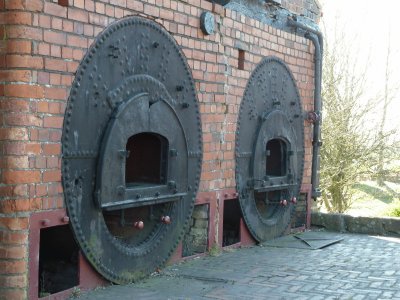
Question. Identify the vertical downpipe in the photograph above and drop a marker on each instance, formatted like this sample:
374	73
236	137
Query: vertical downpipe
315	117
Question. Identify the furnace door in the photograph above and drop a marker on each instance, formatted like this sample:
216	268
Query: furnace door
269	149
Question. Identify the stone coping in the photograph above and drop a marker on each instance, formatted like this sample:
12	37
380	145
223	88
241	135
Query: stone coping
367	225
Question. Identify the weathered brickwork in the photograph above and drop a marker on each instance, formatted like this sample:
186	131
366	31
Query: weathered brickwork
41	45
308	8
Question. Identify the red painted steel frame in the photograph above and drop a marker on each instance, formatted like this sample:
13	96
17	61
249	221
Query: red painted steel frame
88	278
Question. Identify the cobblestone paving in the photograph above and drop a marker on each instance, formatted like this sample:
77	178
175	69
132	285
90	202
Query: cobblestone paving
359	267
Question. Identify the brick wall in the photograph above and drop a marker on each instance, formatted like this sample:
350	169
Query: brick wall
308	8
41	46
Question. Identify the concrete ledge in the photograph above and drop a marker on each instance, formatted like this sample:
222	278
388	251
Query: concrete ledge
366	225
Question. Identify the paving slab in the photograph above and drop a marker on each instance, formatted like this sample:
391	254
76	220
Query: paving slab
358	267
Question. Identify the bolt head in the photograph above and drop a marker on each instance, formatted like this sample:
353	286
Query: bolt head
166	220
139	225
45	222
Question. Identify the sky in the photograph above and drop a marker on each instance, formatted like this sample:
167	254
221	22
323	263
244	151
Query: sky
370	26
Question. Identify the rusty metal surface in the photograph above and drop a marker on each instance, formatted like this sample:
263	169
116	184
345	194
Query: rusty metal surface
270	133
133	80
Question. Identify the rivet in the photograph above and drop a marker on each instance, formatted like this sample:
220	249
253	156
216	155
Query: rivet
45	222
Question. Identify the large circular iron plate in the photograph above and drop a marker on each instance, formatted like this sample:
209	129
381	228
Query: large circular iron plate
134	81
269	149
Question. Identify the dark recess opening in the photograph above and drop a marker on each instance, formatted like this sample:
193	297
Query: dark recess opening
58	260
63	3
276	158
147	159
231	225
241	60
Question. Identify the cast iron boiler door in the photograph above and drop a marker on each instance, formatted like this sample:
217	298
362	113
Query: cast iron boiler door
269	149
132	149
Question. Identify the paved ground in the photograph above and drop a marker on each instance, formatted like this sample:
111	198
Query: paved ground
359	267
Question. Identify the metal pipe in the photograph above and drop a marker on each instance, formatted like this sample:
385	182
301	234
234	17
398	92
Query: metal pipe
316	37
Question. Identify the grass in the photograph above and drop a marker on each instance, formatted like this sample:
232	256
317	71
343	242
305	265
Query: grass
372	200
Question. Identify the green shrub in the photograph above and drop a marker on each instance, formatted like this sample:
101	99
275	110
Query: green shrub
395	212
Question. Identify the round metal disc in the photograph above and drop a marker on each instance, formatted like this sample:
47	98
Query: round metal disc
269	149
133	89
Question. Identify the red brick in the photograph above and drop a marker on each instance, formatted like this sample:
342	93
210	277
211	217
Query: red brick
12	267
44	21
57	24
14	294
55	64
17	281
15	134
53	162
110	10
25	32
77	41
15	162
89	5
42	107
34	5
41	190
55	93
79	3
22	148
55	9
15	76
15	177
43	77
23	91
52	176
151	10
16	18
12	252
53	37
39	134
88	30
43	49
135	5
68	26
119	13
40	162
55	79
166	14
100	7
24	61
72	66
12	237
13	191
14	105
77	54
78	28
13	223
51	149
19	46
53	122
23	120
54	189
78	15
66	52
15	4
120	3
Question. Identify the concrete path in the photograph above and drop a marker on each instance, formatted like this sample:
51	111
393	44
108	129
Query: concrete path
359	267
